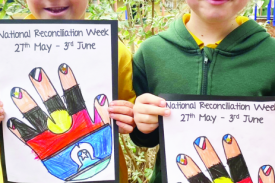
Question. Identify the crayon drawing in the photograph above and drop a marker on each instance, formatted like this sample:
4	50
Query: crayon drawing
68	142
235	160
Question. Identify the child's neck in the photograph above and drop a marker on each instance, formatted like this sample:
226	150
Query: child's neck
210	33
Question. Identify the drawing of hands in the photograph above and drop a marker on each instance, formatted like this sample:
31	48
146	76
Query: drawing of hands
68	142
235	160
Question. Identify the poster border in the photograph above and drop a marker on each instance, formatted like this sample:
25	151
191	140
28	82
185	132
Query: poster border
114	49
181	97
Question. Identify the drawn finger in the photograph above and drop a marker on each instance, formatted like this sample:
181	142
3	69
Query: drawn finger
235	160
21	130
101	109
61	120
29	109
211	160
72	93
190	170
266	174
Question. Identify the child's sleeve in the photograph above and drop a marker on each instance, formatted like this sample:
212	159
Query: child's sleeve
125	74
140	85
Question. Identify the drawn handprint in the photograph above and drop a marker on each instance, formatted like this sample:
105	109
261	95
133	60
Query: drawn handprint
69	143
235	160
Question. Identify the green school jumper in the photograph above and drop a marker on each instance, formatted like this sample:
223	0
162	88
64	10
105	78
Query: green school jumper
243	64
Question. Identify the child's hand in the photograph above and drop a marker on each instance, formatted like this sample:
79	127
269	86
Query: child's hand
2	112
146	111
122	112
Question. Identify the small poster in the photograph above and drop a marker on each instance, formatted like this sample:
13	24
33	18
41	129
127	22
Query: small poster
57	79
218	139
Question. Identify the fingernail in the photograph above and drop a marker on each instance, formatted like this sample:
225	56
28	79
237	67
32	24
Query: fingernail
112	103
110	109
101	99
36	74
182	159
266	169
200	142
10	124
64	68
167	112
228	139
16	93
162	103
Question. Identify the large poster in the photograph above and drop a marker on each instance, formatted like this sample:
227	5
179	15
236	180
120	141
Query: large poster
218	139
57	79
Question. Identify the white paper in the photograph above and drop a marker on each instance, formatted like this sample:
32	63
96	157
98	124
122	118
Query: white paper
91	67
254	138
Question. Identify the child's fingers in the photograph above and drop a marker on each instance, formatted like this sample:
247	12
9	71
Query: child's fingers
123	118
211	160
190	170
2	117
124	128
121	110
2	112
146	119
151	109
266	174
235	160
122	103
147	128
151	99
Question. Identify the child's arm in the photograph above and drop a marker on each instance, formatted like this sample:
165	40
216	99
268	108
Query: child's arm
147	106
2	112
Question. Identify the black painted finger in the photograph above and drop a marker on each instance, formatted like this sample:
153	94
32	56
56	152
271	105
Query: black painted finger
29	109
190	170
235	160
21	130
72	93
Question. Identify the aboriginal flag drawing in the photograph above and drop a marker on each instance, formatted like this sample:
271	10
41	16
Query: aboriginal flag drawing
71	145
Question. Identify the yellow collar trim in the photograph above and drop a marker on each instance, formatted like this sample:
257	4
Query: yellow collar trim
186	17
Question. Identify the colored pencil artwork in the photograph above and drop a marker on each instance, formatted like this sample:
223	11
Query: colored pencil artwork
235	160
68	142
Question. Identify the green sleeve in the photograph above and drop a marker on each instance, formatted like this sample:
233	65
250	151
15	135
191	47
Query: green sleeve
140	85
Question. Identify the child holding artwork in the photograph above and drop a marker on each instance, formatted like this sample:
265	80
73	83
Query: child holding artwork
120	110
211	51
